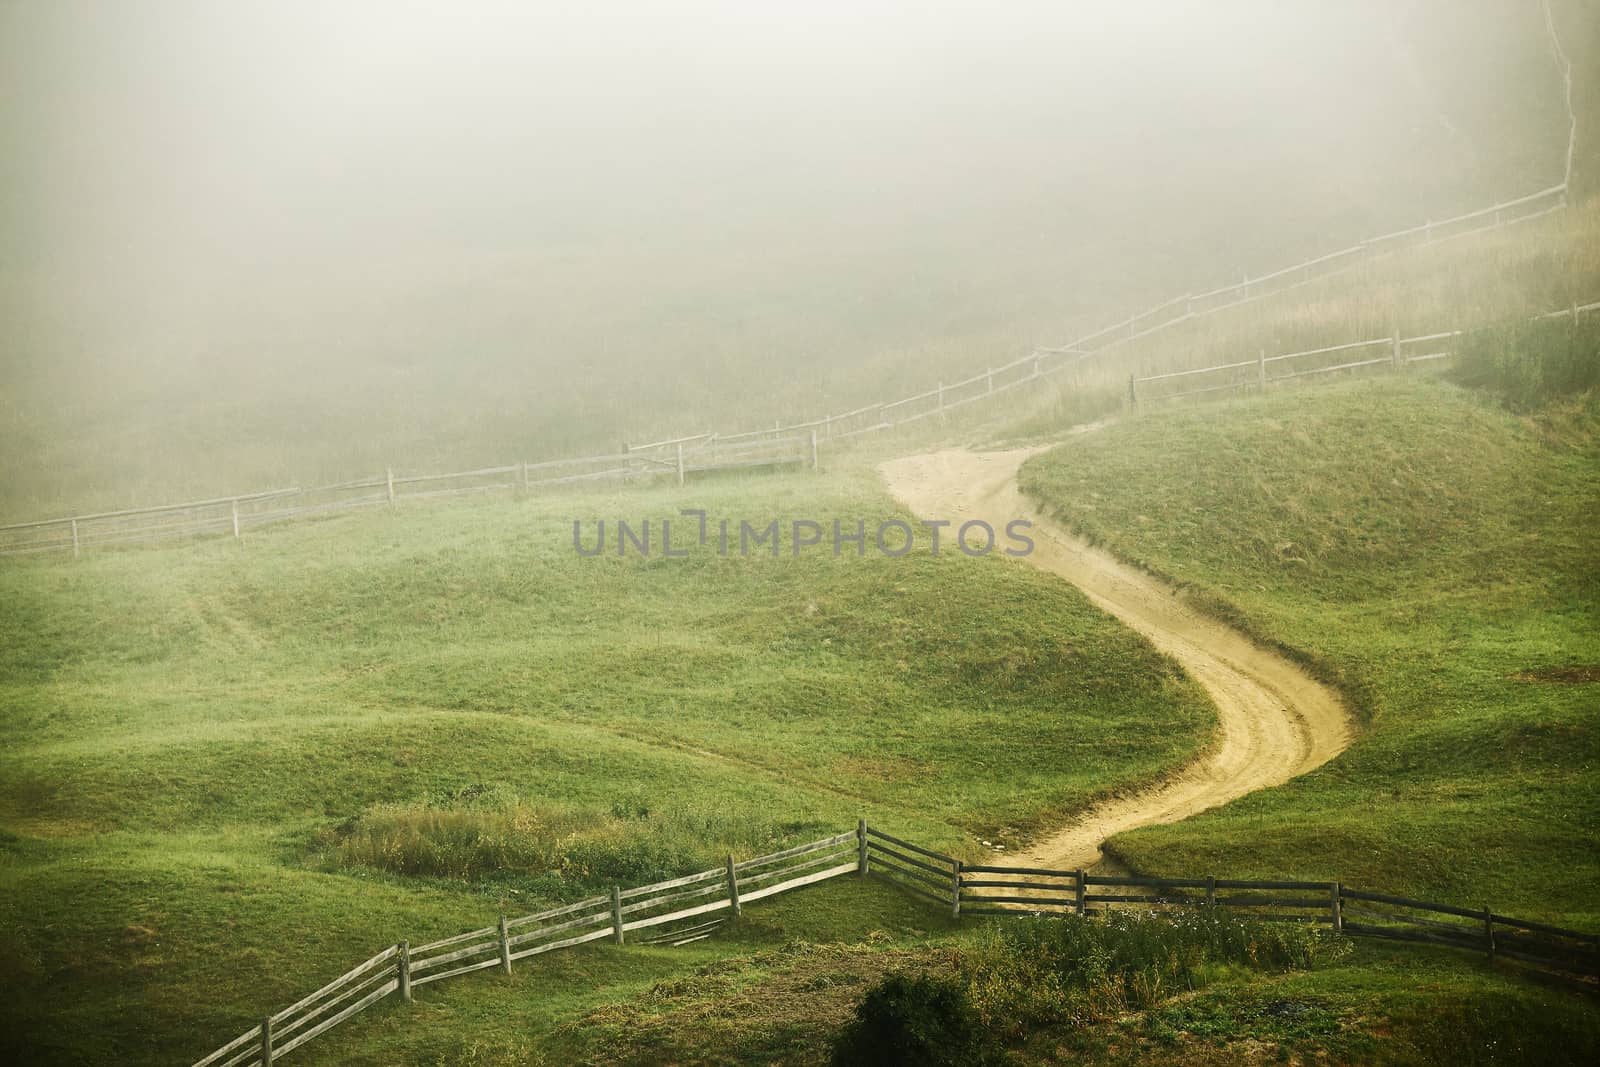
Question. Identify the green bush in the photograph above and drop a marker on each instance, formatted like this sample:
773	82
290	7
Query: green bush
915	1022
1529	364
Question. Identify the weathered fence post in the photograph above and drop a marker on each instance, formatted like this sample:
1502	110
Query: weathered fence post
680	464
941	400
861	846
505	944
390	473
1133	393
1261	369
827	426
955	892
989	379
403	969
616	914
1082	892
1335	907
733	887
1488	931
1036	364
1211	890
522	474
266	1042
74	538
1395	353
813	449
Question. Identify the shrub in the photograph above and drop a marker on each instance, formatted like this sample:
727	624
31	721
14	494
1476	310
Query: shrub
1529	364
916	1022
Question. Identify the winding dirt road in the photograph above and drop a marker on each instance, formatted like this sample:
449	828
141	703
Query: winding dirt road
1274	721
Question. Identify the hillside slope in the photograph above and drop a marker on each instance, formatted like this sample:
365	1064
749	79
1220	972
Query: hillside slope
228	769
1433	556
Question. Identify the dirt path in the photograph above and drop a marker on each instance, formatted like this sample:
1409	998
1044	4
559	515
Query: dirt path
1275	721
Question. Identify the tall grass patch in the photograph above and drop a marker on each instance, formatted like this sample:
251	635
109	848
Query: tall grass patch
490	833
1037	972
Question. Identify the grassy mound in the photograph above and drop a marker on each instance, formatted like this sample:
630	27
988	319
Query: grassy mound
1432	554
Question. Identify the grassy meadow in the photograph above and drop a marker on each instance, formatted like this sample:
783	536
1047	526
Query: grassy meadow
247	253
1433	554
231	769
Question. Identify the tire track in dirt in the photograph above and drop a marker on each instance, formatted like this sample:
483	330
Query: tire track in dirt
1275	721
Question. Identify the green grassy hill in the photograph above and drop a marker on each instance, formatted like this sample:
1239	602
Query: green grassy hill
232	769
1432	554
229	770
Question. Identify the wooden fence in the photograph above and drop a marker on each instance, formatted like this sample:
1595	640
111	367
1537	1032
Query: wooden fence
662	908
1257	374
973	889
237	514
667	908
1045	361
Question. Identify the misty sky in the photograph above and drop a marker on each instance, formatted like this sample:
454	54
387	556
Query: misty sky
229	196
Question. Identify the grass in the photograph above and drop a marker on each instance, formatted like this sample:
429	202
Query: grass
1159	994
1433	555
230	770
227	771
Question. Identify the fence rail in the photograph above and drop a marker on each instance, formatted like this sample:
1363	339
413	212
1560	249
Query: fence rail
1045	361
403	968
962	889
237	514
973	889
1255	374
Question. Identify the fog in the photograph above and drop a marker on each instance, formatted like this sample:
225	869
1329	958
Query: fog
242	242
